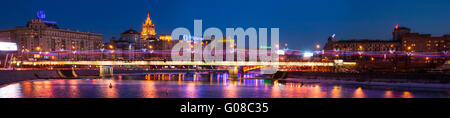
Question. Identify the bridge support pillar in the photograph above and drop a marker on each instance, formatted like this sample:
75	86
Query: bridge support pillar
106	71
67	73
233	72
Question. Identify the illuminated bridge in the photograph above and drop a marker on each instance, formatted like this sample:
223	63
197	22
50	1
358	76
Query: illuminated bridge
182	63
233	67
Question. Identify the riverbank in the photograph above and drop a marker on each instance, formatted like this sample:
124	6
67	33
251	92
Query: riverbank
420	80
384	84
11	76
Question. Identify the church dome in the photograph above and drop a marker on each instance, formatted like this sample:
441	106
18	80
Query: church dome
131	31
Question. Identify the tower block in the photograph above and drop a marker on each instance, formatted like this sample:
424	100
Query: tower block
148	29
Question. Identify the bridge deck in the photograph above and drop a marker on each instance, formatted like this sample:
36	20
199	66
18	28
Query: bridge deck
199	63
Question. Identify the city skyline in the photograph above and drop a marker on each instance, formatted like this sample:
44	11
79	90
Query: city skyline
311	24
220	58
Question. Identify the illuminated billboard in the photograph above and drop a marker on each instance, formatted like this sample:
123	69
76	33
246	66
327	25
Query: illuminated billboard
8	46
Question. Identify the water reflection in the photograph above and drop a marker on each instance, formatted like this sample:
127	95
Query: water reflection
73	88
11	91
42	89
190	91
336	92
110	92
199	85
388	94
150	91
359	93
407	94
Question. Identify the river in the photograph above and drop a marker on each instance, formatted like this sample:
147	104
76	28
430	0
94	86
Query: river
197	86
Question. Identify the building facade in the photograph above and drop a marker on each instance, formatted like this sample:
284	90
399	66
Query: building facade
133	37
406	50
45	36
403	40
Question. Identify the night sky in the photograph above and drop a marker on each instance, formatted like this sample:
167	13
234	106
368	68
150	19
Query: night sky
302	23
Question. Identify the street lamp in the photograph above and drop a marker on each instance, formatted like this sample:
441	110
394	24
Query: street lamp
150	47
38	48
111	47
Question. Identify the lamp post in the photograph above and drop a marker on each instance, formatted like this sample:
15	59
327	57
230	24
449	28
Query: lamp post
111	47
150	47
318	51
408	60
74	57
102	49
408	57
38	48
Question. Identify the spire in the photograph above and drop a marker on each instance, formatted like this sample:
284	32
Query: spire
148	21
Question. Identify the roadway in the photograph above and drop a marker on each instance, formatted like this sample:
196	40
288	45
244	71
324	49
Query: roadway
175	63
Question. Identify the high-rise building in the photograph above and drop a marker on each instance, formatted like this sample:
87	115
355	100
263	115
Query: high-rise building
45	36
148	29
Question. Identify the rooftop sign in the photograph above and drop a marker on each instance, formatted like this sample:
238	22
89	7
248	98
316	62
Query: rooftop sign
8	46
